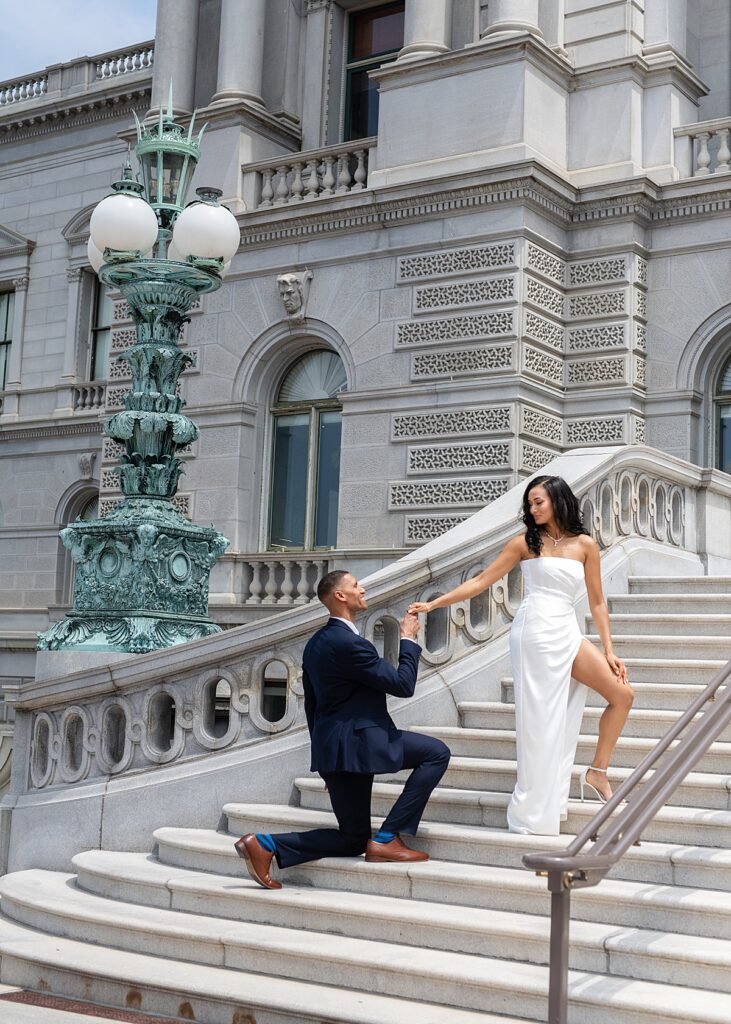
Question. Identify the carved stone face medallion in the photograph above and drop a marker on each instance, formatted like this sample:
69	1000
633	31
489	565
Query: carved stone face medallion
293	291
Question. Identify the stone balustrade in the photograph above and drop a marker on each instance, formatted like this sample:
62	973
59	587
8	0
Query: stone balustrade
242	685
703	148
77	77
315	174
88	396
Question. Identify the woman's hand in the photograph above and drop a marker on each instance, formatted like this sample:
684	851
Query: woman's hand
617	666
418	606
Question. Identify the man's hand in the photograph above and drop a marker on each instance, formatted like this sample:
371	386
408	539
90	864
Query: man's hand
409	626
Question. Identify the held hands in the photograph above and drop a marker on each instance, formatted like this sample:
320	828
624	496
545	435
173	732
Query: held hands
418	606
617	666
409	626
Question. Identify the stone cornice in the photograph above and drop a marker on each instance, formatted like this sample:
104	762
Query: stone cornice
665	68
50	429
76	113
639	200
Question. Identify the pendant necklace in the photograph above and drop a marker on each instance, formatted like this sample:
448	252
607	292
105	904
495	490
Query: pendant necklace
558	539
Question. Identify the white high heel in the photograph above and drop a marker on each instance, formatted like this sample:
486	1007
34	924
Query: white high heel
587	785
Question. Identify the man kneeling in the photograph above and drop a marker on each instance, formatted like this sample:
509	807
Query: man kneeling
353	738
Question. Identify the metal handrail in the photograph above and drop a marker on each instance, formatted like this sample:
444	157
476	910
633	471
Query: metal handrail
574	869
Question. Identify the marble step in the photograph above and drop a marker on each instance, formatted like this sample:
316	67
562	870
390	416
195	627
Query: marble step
214	995
519	931
466	981
678	603
642	722
206	850
648	696
658	645
676	625
671	670
683	825
679	584
630	750
699	789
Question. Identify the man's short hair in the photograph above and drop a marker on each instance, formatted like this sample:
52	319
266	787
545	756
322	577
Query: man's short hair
329	583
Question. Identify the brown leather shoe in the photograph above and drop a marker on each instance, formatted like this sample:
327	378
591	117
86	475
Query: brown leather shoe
394	851
257	860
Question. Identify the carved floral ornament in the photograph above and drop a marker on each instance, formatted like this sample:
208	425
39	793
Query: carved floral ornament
135	729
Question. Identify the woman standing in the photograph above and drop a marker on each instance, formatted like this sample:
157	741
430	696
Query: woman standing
551	659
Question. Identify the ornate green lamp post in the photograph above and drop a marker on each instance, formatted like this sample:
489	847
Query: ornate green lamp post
142	572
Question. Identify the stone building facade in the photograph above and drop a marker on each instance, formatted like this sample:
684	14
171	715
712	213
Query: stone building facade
474	235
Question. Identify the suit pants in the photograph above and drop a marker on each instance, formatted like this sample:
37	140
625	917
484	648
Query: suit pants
350	796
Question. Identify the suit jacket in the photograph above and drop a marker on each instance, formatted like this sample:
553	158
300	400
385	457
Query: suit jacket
345	683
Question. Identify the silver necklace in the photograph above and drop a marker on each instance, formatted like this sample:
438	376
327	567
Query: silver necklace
558	539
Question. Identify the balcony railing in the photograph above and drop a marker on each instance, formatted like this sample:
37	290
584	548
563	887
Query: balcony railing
88	396
77	76
302	177
703	148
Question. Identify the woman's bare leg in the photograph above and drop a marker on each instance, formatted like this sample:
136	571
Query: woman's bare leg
591	669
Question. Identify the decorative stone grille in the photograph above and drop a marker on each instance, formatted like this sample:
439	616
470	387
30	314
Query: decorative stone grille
598	271
452	423
454	328
641	337
115	397
109	480
490	359
586	339
542	365
446	493
420	529
466	293
532	457
638	430
546	263
542	425
539	329
640	303
453	457
122	338
456	261
641	270
544	296
640	370
120	311
111	449
606	430
597	371
596	304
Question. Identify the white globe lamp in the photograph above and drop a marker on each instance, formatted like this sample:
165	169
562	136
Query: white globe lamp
207	230
96	258
123	222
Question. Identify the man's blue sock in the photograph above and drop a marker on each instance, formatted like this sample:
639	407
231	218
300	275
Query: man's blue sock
266	841
384	837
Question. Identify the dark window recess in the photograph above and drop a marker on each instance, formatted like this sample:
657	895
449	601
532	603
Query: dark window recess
375	37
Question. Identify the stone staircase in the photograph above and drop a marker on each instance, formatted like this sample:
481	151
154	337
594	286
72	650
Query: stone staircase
463	938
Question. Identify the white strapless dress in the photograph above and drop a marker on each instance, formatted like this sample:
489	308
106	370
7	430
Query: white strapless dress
549	704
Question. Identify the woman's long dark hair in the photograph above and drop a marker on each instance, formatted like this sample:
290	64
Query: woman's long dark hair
566	511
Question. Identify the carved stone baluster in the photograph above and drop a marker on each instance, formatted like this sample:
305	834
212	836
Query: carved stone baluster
282	194
724	153
313	183
344	178
328	177
303	597
270	587
360	171
287	584
255	587
297	184
267	189
704	157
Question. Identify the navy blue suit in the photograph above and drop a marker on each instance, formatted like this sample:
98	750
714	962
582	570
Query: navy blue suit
353	738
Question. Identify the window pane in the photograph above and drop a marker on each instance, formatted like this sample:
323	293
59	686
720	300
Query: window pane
173	165
378	30
99	355
724	438
328	480
289	481
362	112
103	313
7	303
4	354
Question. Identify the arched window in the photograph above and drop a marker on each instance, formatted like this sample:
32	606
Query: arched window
723	418
303	510
86	508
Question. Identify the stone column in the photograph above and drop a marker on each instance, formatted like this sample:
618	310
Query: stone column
12	376
666	25
426	29
512	16
176	46
241	51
